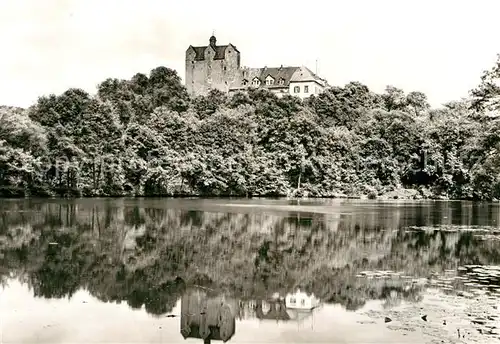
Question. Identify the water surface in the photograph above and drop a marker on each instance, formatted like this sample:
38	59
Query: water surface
249	271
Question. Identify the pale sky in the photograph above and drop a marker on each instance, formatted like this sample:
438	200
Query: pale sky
435	46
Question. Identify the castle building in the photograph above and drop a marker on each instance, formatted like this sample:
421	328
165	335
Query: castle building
219	67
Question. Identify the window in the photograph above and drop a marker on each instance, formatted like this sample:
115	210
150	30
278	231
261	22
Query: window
292	300
306	89
296	89
282	81
303	302
225	68
269	80
256	82
244	82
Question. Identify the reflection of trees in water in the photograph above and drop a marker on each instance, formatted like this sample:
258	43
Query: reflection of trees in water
394	295
343	287
147	256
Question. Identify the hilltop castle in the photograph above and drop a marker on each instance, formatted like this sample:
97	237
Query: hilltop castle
218	67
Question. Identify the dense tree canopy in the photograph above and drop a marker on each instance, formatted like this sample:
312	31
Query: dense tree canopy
146	136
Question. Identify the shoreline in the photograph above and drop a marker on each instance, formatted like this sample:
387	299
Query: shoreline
395	194
269	197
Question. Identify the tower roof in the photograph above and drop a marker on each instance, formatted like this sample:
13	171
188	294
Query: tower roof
213	41
220	51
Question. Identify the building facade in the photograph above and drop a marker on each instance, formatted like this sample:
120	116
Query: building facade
219	67
301	300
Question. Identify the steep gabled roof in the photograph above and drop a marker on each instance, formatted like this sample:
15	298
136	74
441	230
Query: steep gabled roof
276	73
305	74
200	53
220	52
234	47
288	74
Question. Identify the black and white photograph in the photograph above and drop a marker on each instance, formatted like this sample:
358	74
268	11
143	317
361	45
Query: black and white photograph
249	172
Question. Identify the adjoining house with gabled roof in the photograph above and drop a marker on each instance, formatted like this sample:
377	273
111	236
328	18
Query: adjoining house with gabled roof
218	67
300	300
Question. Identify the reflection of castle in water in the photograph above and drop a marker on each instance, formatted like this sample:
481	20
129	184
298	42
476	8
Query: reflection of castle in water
213	317
294	306
207	317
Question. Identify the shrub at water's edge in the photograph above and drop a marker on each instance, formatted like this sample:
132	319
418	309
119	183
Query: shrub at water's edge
146	137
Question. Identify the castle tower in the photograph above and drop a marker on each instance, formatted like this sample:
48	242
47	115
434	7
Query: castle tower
212	67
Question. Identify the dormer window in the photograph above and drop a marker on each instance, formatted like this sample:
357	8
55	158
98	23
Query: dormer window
282	81
269	80
244	82
256	82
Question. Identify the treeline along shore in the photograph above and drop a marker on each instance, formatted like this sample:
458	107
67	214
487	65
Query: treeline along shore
147	137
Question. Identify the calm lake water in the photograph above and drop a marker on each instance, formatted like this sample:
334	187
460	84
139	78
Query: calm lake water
249	271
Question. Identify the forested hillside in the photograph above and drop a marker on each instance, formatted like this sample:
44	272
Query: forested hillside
146	137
